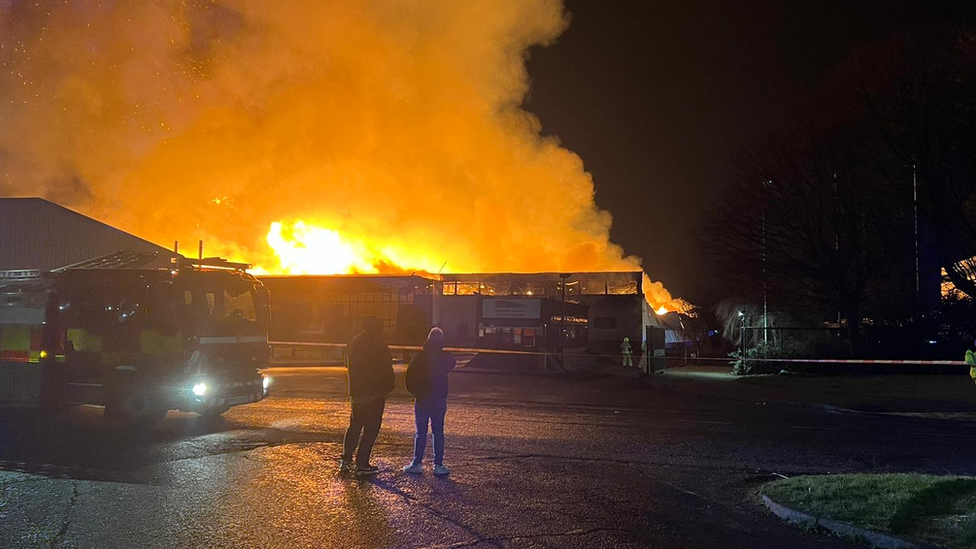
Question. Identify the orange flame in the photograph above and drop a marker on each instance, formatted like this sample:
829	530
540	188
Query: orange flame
305	249
301	248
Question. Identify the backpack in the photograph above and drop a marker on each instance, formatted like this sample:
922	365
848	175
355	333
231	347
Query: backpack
417	377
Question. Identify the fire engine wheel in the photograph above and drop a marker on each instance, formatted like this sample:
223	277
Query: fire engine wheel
136	406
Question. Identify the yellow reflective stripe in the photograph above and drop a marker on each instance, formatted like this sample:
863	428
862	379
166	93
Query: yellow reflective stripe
15	337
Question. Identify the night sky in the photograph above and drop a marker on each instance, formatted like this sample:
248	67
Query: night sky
658	98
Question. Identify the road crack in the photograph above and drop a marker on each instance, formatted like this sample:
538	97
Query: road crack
66	521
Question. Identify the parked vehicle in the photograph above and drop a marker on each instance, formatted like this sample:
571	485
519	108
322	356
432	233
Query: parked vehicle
139	342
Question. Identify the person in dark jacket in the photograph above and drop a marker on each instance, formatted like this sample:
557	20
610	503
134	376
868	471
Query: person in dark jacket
432	364
371	379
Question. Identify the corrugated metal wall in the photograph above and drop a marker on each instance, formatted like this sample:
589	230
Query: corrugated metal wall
37	234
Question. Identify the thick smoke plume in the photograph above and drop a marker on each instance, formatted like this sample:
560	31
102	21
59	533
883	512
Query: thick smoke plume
395	124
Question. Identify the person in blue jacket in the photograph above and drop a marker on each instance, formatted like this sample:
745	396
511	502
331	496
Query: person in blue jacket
427	379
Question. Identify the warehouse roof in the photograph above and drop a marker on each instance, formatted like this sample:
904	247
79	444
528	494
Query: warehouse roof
42	235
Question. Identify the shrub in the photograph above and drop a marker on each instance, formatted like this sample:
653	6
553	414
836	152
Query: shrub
750	365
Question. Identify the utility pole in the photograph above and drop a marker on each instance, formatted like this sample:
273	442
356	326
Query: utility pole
766	184
837	246
918	286
765	313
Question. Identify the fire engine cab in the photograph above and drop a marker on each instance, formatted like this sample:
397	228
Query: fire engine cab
138	341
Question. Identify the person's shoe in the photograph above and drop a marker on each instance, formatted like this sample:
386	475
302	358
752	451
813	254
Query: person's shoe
441	470
414	469
346	466
367	471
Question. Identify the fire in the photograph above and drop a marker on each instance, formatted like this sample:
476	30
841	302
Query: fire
307	249
662	310
301	248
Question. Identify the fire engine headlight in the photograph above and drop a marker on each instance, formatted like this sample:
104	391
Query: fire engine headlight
199	389
265	382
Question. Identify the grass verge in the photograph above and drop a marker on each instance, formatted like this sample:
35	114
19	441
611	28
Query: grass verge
939	510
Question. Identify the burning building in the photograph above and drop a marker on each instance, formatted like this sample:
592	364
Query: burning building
526	311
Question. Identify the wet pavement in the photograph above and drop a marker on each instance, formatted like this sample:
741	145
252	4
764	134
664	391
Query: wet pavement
537	461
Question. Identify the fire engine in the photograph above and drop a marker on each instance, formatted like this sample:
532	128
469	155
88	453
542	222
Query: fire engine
139	342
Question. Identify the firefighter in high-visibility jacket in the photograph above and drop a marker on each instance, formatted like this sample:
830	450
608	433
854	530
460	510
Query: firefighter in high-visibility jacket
627	352
971	360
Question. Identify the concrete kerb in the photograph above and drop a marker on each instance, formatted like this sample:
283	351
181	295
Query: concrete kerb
876	539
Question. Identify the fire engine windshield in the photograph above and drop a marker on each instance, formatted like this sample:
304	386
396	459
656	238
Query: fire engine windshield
223	308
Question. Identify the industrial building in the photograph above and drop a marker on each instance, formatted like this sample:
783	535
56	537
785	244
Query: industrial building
41	235
594	311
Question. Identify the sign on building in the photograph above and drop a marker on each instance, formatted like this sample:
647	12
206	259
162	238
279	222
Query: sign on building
511	308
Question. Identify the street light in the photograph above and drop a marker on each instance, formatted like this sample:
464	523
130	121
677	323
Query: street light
742	337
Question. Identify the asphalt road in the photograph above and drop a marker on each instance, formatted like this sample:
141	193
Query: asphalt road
536	462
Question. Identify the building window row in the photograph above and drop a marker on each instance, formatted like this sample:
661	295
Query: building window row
552	289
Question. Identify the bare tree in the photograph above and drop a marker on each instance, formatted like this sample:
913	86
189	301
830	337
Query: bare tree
828	216
810	220
916	96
